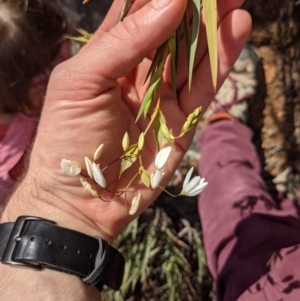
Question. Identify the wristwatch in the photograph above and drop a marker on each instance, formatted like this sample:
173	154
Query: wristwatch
39	243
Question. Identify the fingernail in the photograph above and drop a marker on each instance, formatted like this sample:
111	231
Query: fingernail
159	4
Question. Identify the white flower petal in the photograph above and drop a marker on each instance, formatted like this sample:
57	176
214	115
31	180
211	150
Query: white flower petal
98	176
156	178
162	157
197	189
88	164
187	178
193	183
70	168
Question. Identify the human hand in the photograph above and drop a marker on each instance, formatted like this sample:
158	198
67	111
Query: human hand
94	98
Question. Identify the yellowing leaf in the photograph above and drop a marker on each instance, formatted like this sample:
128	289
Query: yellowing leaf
194	39
210	12
141	141
145	176
125	164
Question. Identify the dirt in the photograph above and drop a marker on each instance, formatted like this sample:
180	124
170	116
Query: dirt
275	120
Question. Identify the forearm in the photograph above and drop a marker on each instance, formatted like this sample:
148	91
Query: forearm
29	285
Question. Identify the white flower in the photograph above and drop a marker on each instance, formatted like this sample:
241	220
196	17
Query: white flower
193	187
162	157
135	204
98	176
88	164
70	168
156	178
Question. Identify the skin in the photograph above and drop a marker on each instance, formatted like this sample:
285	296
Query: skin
93	98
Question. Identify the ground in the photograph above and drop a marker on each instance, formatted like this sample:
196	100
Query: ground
164	251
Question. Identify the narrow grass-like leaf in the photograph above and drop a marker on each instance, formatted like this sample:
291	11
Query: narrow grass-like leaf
172	48
84	38
148	96
187	40
158	56
153	87
210	12
177	41
125	9
194	39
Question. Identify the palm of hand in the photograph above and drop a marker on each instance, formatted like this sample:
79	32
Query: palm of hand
98	103
84	120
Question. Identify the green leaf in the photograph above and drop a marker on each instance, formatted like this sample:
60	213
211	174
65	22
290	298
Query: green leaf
153	86
194	40
148	97
166	133
172	47
159	53
187	40
210	12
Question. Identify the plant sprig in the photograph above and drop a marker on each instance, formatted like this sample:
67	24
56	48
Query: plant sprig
189	31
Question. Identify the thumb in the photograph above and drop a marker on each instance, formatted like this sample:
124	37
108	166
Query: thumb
116	52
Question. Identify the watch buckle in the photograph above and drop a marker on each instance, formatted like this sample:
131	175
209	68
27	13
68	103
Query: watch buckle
15	237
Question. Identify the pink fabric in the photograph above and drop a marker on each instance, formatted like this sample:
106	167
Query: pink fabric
20	132
12	147
251	239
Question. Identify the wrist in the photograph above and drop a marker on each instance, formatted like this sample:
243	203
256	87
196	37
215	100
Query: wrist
34	198
42	203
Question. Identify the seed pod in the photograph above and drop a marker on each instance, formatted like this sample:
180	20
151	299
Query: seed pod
135	204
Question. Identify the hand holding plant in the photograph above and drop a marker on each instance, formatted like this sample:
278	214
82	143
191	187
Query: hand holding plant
95	98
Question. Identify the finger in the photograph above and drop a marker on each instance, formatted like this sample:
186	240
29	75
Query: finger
232	35
111	18
118	51
224	7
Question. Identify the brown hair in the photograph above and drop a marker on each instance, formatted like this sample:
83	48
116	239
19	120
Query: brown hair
31	32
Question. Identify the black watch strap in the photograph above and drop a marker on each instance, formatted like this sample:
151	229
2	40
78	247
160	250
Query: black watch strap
39	243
